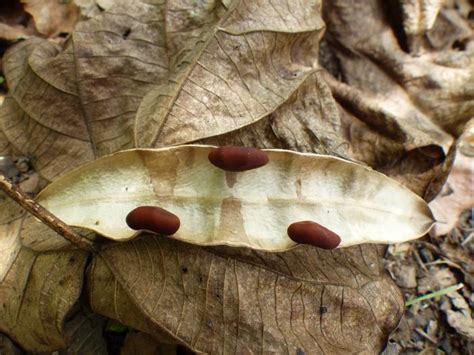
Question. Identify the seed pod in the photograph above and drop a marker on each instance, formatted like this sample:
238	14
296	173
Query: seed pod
312	233
154	219
233	158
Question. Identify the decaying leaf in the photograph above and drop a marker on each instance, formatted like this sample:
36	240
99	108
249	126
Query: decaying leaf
10	224
433	89
84	334
218	300
458	314
397	106
51	16
456	196
15	23
37	291
223	71
7	346
418	18
308	121
242	68
252	209
147	345
68	105
37	295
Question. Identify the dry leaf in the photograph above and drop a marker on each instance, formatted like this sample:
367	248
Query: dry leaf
451	29
405	276
37	295
456	196
93	8
37	291
14	21
84	334
112	61
102	287
458	314
431	89
8	347
235	66
13	32
435	278
68	105
308	121
242	301
466	140
238	209
418	18
147	345
397	107
52	16
10	224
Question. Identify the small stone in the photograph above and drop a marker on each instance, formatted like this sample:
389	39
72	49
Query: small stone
7	167
399	249
391	348
31	184
406	277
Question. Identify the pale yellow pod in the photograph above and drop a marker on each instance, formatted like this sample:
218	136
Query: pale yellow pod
243	209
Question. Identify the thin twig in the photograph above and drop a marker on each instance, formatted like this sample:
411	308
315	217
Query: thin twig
431	247
45	216
426	335
445	261
418	259
468	239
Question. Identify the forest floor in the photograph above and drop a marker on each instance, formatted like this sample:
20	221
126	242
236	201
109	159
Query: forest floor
437	325
435	273
440	324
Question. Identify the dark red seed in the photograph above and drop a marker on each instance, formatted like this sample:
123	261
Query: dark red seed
312	233
232	158
154	219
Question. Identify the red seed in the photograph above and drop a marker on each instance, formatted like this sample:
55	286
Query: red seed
233	158
312	233
154	219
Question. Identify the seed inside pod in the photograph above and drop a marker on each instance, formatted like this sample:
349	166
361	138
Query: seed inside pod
154	219
312	233
232	158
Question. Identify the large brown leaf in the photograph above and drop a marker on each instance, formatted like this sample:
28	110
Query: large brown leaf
37	290
235	65
11	219
397	107
52	17
308	121
80	101
241	301
37	295
66	106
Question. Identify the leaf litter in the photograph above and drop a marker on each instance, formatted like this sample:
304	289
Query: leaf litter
360	124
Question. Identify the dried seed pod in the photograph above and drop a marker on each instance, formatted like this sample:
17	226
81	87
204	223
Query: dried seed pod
154	219
233	158
312	233
249	209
